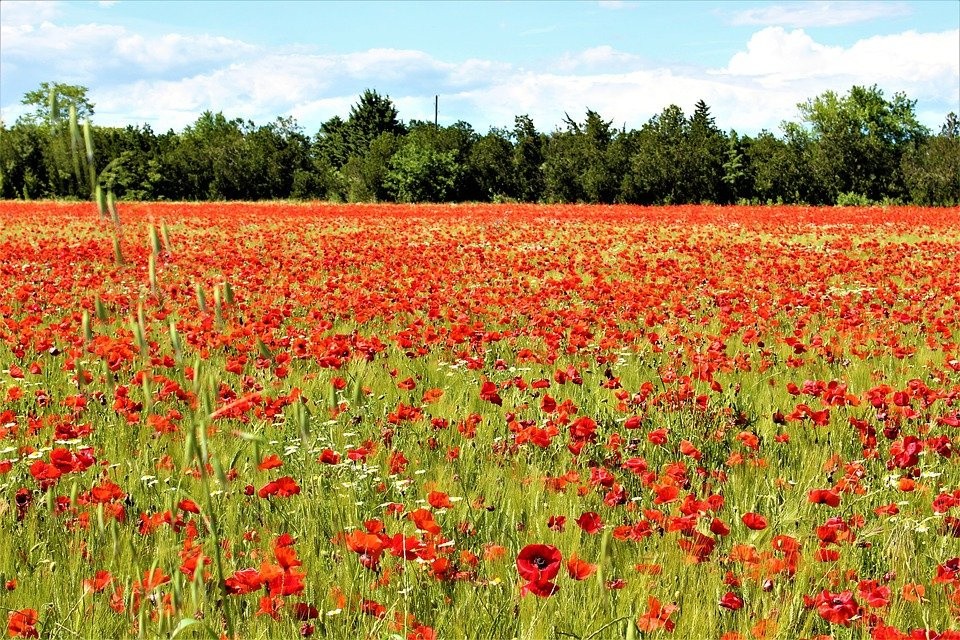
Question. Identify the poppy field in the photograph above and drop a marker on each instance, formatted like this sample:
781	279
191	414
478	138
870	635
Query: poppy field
479	421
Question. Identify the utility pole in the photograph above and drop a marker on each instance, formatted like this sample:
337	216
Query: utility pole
436	111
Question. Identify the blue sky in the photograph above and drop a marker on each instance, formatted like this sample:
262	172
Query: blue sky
163	63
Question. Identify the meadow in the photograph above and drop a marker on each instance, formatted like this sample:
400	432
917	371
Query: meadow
479	421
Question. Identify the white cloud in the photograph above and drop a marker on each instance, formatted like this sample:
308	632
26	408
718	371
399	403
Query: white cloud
27	12
627	99
85	49
759	88
924	65
603	58
819	14
168	79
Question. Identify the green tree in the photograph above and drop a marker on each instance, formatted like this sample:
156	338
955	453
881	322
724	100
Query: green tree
601	177
52	103
562	168
421	173
210	156
736	179
858	141
372	116
132	151
277	152
577	167
351	157
528	157
620	155
365	175
52	100
656	170
704	151
459	139
932	168
490	165
768	167
329	153
23	165
331	142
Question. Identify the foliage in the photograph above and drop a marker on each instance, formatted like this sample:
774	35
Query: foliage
656	172
932	168
859	143
490	163
372	116
52	101
704	153
528	158
366	175
422	173
578	166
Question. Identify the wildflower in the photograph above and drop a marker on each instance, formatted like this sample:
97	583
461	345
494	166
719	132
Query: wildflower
754	521
539	562
22	624
657	616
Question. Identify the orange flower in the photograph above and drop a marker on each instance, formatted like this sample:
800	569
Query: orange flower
657	616
22	624
579	569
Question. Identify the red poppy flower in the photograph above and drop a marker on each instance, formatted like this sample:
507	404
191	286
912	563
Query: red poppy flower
424	521
754	521
731	601
666	493
272	461
837	608
539	588
22	624
439	500
287	583
283	487
270	606
580	569
188	505
948	572
364	543
329	456
152	578
243	581
305	611
719	527
657	616
824	496
539	562
100	581
489	392
590	522
874	594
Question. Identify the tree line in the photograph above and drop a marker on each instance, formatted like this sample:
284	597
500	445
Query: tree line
856	148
